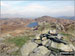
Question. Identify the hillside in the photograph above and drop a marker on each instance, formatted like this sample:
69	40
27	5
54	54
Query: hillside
15	33
68	17
10	25
53	19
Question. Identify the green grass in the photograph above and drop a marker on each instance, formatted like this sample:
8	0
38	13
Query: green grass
19	40
65	34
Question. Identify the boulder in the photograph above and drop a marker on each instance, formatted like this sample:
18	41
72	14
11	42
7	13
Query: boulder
72	46
44	38
52	55
46	42
65	47
60	46
54	44
40	51
38	36
38	41
53	31
59	36
28	48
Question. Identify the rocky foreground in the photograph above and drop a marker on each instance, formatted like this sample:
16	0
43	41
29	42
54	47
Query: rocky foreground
46	47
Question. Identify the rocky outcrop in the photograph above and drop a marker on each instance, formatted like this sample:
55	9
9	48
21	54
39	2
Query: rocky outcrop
33	49
50	45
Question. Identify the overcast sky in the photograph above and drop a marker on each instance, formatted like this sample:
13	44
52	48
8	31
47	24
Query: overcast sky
36	8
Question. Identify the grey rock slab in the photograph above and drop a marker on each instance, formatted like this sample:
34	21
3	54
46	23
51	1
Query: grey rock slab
51	55
65	47
54	44
38	41
40	51
62	46
28	48
46	42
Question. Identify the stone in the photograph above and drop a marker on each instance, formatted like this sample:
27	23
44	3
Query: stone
52	55
40	51
27	48
44	38
61	45
46	42
12	50
72	46
38	36
4	54
38	41
53	31
65	47
54	44
59	36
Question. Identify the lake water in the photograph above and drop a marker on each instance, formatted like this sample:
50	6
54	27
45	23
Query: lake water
33	24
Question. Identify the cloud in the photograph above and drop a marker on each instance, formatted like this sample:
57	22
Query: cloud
66	11
34	10
5	5
31	8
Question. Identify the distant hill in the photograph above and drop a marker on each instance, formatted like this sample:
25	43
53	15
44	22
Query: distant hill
53	19
19	24
68	17
46	18
9	25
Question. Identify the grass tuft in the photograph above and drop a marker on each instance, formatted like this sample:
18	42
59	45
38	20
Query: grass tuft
19	40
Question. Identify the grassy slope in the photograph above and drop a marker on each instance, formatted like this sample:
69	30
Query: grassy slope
19	41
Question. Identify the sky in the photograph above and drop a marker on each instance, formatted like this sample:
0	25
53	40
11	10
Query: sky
33	9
